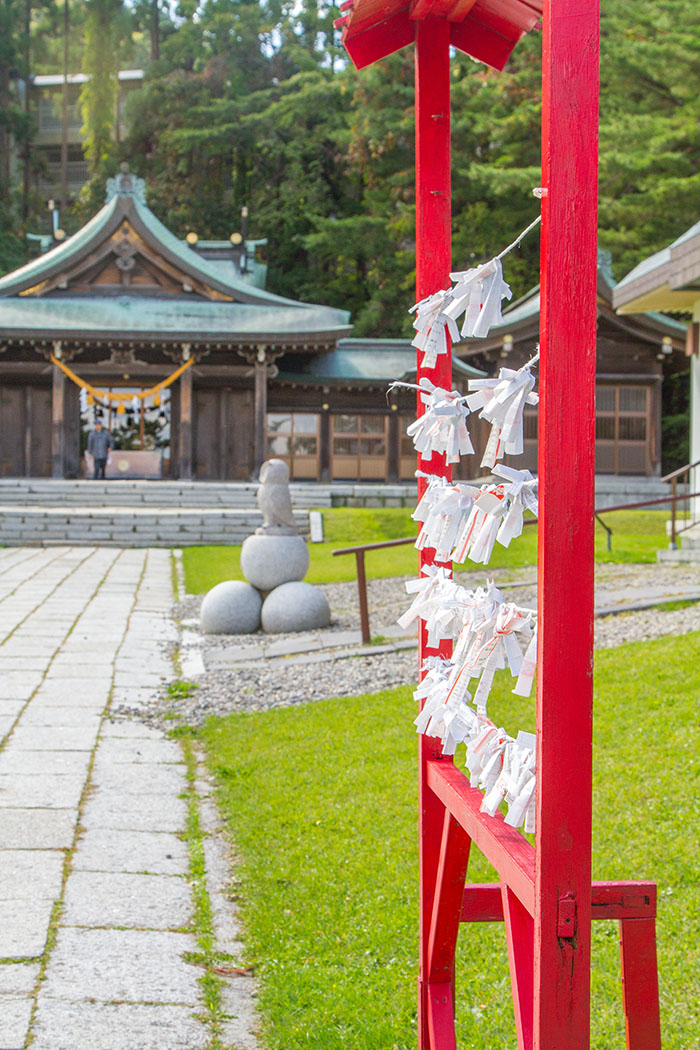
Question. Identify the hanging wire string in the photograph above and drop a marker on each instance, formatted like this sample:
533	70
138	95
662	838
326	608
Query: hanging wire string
519	238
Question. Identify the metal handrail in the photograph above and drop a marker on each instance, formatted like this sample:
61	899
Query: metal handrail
359	551
681	470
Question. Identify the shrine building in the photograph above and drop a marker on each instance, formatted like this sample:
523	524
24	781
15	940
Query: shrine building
123	307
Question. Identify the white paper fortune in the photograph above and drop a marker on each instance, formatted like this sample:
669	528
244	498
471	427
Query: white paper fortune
442	427
501	402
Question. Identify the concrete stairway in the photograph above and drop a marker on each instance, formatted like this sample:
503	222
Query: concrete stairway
37	511
689	549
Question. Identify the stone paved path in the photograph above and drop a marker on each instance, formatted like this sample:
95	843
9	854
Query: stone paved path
96	915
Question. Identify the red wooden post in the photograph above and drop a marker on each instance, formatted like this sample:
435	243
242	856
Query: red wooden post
640	983
433	263
565	553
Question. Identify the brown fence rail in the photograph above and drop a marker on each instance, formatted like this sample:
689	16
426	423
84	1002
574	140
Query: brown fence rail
359	551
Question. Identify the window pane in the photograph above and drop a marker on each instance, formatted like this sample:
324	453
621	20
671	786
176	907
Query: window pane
605	428
372	424
345	446
633	399
279	423
605	398
345	424
304	445
633	428
372	446
278	446
305	424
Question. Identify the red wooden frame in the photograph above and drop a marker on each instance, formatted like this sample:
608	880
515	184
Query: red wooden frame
545	896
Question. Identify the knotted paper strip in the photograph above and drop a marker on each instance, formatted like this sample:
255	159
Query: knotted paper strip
442	427
477	294
501	402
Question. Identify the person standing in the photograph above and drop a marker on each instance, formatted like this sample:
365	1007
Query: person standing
99	444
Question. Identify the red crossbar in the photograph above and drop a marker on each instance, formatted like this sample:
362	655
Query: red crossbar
482	902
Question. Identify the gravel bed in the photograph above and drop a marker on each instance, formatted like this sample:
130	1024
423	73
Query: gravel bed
265	685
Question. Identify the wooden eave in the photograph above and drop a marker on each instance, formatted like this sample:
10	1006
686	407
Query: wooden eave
487	30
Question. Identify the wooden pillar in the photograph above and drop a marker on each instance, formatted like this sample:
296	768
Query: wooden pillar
260	411
433	264
28	424
324	443
58	424
185	471
393	447
562	919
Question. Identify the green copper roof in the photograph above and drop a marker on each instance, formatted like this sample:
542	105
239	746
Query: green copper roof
126	201
167	317
362	360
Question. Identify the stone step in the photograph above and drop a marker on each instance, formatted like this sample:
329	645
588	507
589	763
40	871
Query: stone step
22	491
133	526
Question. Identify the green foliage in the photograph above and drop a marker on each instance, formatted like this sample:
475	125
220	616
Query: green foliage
328	878
98	97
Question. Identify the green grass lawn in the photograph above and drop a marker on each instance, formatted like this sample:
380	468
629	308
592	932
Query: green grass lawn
638	534
320	802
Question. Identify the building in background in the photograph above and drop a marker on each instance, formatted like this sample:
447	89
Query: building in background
46	105
123	303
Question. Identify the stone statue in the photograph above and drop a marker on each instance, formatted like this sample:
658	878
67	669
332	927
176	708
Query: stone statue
274	500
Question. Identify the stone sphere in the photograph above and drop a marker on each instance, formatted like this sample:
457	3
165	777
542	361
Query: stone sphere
232	607
295	607
268	561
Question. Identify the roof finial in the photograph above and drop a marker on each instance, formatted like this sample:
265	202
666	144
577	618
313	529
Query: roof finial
126	185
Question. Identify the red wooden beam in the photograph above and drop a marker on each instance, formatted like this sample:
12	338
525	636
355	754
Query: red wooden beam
472	36
640	984
565	533
433	265
377	40
510	853
482	902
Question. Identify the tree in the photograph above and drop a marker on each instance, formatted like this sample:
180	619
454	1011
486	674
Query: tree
98	97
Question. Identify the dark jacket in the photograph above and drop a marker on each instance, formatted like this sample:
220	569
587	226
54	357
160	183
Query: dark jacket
99	444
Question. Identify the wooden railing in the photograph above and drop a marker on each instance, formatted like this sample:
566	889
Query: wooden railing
673	477
673	499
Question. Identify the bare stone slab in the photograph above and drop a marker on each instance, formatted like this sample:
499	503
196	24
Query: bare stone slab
17	979
13	760
18	685
151	852
154	902
47	791
23	928
128	730
49	738
145	779
113	809
61	1025
77	692
241	1020
140	751
30	874
38	714
37	828
122	965
15	1015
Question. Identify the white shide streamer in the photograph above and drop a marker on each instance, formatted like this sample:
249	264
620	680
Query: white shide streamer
501	402
486	628
460	520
